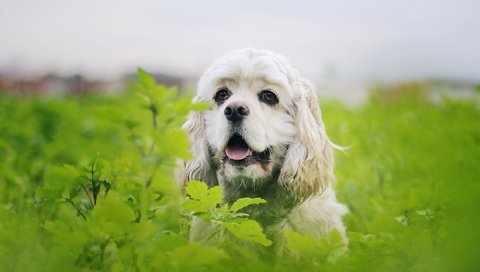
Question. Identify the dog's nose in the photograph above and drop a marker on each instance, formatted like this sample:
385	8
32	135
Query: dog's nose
236	112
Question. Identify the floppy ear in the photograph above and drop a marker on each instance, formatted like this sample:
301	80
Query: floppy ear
308	165
201	167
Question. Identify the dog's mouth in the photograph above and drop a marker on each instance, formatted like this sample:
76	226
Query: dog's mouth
238	152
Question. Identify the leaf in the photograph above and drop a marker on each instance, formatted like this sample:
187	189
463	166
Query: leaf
248	230
195	255
427	213
244	202
335	240
329	248
303	245
202	215
113	216
171	93
195	205
333	245
60	179
202	199
215	195
145	79
196	189
200	106
237	215
170	242
174	144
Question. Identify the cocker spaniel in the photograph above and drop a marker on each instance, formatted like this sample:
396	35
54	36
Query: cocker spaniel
264	137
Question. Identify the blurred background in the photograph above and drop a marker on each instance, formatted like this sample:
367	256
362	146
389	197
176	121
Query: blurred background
344	47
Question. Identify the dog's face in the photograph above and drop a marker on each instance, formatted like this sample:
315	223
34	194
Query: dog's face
249	127
264	120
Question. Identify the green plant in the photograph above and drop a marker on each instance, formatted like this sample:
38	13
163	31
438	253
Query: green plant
86	184
205	203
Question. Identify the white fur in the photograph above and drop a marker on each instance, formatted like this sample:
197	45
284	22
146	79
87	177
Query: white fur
297	183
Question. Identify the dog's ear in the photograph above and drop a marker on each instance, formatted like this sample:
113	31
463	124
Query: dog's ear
308	165
200	167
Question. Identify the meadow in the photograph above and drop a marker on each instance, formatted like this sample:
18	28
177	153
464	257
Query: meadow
87	184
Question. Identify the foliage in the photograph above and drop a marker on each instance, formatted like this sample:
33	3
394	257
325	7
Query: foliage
206	204
87	184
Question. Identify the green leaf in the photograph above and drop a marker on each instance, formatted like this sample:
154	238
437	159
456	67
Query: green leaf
174	144
170	241
244	202
197	189
248	230
237	215
145	79
329	248
171	93
195	255
113	216
201	106
215	195
195	205
202	199
335	240
303	245
60	179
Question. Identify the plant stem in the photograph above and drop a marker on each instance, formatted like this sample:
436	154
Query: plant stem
75	207
88	195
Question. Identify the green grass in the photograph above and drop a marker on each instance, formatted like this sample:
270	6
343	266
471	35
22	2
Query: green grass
87	184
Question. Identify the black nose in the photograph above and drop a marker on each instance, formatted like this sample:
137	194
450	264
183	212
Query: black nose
236	112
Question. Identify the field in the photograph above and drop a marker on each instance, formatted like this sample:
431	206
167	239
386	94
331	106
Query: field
87	183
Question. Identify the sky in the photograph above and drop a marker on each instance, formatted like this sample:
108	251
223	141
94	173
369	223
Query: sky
340	40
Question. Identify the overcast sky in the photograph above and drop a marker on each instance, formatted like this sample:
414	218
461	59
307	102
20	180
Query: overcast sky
345	40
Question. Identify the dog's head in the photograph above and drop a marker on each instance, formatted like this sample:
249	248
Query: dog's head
265	123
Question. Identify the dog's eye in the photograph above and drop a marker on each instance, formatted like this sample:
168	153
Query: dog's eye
222	95
268	97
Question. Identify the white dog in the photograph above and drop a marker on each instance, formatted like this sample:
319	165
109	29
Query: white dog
264	137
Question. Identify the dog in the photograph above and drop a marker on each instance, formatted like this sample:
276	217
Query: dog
263	137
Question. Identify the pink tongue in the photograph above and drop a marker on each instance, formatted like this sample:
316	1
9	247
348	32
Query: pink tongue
236	153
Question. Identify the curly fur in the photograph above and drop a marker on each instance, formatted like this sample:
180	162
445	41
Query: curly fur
297	182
